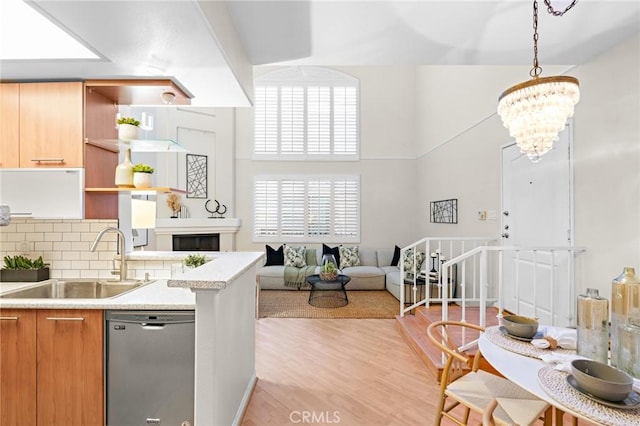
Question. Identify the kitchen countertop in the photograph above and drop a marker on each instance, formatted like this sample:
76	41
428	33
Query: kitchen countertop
176	293
155	295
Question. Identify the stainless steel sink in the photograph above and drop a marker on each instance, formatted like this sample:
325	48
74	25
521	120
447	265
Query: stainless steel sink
75	289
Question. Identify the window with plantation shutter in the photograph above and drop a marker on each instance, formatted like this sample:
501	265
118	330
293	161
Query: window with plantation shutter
307	208
306	113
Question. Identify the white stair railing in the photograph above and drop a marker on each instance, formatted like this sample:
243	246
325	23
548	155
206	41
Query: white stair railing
477	280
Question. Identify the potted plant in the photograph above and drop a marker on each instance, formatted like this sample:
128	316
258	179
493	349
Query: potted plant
194	260
22	269
127	128
142	175
328	269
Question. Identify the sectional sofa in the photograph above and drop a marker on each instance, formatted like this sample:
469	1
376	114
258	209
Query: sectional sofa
374	273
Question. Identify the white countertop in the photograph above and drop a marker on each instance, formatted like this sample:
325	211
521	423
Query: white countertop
176	293
155	295
219	272
170	255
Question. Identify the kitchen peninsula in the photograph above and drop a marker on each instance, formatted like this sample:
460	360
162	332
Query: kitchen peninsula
223	293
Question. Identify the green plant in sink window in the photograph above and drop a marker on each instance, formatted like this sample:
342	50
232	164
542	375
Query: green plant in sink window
194	260
142	168
23	262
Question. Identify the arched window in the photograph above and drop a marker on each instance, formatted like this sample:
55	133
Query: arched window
306	113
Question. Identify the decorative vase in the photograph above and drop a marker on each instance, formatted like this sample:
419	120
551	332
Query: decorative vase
124	171
593	326
127	132
328	268
142	180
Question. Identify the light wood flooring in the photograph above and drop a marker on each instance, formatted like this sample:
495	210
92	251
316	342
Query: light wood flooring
348	372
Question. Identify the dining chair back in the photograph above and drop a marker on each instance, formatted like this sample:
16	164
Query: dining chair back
464	387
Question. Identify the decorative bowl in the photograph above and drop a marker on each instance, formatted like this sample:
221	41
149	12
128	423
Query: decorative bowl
601	380
520	326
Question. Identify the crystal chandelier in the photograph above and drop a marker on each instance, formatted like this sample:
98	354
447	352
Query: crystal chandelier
535	111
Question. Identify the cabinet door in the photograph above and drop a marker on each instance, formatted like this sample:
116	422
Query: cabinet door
70	367
51	124
9	125
17	367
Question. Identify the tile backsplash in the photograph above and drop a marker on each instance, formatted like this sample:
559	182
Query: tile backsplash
65	245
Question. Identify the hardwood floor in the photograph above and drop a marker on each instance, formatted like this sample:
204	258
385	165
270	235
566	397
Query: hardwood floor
349	372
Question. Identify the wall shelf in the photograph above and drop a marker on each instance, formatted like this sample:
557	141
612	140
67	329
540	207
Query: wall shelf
159	189
139	145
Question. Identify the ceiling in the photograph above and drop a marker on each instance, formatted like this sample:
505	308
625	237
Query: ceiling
208	47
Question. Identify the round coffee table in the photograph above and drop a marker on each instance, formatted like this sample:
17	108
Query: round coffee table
328	294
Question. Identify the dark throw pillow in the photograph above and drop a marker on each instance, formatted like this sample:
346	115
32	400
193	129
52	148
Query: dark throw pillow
274	257
335	251
396	256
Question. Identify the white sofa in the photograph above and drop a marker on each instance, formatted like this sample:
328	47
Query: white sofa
374	273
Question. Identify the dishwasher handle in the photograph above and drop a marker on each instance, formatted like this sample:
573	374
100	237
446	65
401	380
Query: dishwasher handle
153	325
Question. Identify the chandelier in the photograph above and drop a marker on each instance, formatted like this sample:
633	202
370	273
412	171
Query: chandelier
536	110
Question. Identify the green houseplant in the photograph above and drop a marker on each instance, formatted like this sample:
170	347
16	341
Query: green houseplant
127	128
194	260
142	175
23	269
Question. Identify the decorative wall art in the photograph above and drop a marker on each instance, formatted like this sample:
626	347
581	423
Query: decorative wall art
196	176
444	211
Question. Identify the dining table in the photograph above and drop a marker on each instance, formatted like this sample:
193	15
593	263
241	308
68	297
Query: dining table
522	363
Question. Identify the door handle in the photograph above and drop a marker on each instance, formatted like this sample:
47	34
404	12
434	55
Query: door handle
505	235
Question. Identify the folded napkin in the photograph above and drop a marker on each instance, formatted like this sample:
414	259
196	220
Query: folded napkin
562	361
565	338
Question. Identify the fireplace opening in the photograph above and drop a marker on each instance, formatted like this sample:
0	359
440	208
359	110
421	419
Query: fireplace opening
196	242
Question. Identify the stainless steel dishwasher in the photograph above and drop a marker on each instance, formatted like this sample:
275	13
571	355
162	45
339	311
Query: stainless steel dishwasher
150	368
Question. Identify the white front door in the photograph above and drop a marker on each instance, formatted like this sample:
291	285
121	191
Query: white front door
537	211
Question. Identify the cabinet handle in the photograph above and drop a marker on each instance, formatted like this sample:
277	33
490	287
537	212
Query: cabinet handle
65	318
8	318
42	160
21	214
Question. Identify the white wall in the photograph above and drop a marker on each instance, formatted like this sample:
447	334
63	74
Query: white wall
606	144
386	167
607	164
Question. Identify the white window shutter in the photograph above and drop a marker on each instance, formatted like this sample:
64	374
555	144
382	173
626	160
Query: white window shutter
318	120
345	120
292	208
292	125
266	120
346	207
319	208
266	215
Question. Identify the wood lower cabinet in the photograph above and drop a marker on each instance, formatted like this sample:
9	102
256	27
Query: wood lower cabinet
17	367
62	381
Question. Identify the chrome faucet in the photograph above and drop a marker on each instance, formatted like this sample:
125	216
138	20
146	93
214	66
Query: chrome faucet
123	261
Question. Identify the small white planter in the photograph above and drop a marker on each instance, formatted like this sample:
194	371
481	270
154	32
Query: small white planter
142	180
127	132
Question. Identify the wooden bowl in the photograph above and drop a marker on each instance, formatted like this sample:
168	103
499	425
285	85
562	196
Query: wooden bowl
601	380
520	326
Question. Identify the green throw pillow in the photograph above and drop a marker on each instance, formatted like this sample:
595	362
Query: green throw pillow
349	256
295	256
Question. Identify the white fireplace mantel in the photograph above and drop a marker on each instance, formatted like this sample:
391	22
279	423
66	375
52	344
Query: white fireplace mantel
166	228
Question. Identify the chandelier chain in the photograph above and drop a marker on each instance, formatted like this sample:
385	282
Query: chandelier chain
537	69
554	12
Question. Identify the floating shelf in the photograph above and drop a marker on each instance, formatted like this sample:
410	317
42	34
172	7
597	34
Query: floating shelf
163	189
140	145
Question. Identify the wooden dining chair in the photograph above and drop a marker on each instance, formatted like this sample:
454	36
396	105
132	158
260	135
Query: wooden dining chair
464	385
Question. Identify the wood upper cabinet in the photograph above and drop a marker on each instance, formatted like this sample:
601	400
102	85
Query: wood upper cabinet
51	367
51	124
9	125
17	367
70	367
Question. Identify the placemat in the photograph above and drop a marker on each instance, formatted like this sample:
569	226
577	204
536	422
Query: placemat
498	338
555	384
